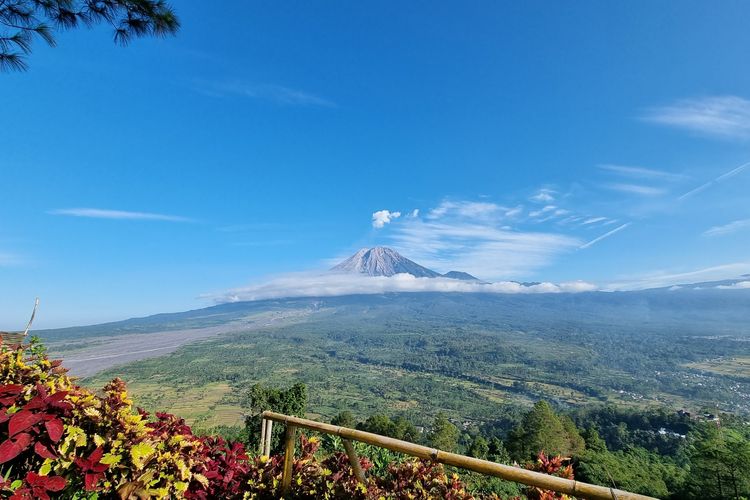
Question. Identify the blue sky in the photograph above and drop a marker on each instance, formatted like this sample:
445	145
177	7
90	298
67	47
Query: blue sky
263	138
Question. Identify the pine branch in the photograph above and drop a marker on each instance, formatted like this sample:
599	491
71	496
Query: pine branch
128	18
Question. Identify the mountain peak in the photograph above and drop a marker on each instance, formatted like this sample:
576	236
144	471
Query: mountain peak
460	275
383	261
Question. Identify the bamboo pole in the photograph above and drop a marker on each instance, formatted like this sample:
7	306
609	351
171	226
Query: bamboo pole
267	442
507	472
354	461
262	445
289	441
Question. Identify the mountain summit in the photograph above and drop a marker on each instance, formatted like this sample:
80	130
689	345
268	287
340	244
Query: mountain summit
382	261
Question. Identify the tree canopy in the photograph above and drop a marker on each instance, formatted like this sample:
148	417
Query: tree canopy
543	429
21	21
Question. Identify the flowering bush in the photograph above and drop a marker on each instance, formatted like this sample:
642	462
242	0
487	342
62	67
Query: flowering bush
59	439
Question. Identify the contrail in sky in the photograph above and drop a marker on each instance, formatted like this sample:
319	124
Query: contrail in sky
710	183
605	235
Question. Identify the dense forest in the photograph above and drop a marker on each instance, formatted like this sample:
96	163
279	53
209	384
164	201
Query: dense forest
657	453
645	391
467	355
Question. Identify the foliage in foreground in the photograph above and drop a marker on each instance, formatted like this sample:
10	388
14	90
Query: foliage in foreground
23	20
58	439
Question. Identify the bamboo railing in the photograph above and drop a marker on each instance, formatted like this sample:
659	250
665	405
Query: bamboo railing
507	472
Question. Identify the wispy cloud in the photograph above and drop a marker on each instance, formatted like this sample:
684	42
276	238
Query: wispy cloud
383	217
264	91
544	210
9	260
471	209
332	284
100	213
640	172
477	238
593	220
711	183
664	278
636	189
730	228
726	117
543	195
605	235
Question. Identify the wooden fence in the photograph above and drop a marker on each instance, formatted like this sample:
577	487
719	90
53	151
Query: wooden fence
507	472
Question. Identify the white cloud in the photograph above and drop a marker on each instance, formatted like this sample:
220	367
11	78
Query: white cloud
593	220
635	189
331	284
544	195
514	212
605	235
414	213
542	211
476	238
100	213
472	209
726	117
640	172
269	92
730	228
383	217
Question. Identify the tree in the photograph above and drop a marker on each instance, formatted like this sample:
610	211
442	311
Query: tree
23	20
344	419
496	451
542	430
290	401
479	447
406	430
444	435
718	465
594	442
379	424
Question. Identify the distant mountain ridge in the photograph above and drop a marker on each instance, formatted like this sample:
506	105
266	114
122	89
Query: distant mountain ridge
383	261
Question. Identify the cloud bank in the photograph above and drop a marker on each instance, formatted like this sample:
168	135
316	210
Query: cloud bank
740	285
665	278
333	284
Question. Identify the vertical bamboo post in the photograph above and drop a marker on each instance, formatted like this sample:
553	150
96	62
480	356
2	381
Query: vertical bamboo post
269	433
354	461
262	444
289	441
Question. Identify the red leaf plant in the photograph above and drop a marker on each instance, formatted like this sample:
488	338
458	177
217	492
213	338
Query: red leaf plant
225	465
92	467
553	465
23	426
36	486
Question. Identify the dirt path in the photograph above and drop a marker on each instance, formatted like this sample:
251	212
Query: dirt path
107	352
